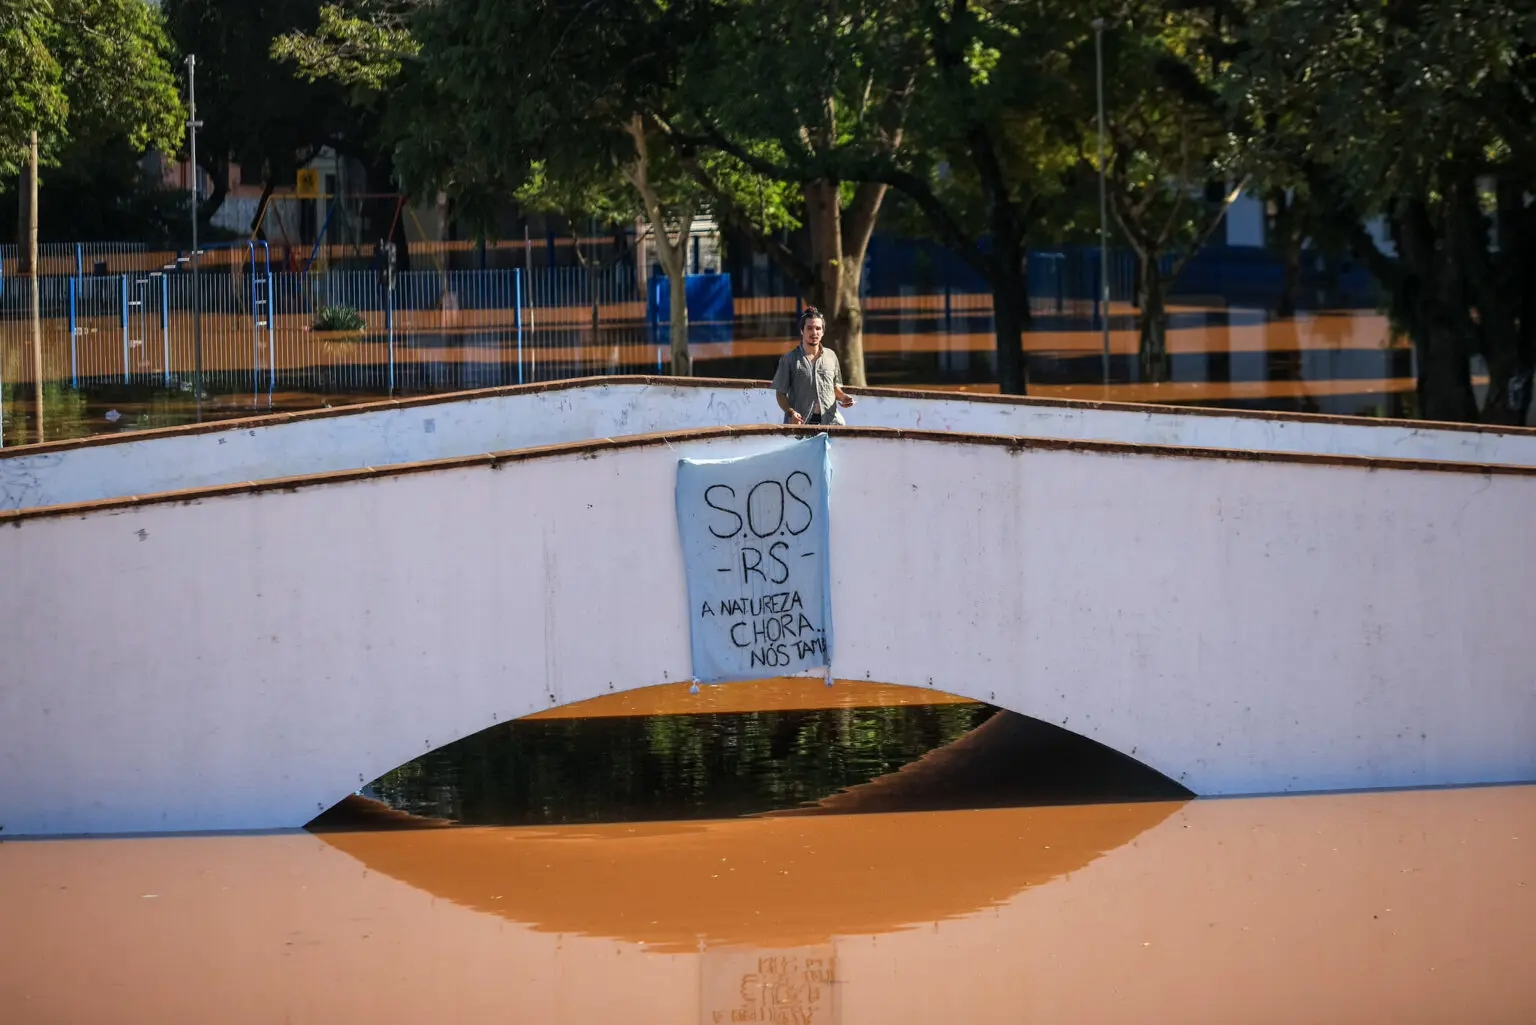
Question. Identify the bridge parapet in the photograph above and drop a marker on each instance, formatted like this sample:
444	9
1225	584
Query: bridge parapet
472	423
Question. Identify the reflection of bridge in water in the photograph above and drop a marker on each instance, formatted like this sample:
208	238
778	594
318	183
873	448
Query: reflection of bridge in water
1239	622
1413	905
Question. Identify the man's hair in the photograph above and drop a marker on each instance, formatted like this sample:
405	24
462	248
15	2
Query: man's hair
807	314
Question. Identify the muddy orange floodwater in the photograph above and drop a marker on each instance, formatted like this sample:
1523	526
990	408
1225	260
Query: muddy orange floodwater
1389	907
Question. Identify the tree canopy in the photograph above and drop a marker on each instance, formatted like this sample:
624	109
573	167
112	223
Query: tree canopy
1400	133
85	68
1420	113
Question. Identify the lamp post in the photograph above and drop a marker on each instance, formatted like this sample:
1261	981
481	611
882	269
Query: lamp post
193	124
1098	54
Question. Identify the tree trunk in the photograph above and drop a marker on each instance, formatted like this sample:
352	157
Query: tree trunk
677	333
218	171
31	267
1290	282
858	227
1500	280
26	215
1429	302
838	259
850	319
1288	234
1152	320
1008	324
1010	312
401	240
258	229
1445	374
673	257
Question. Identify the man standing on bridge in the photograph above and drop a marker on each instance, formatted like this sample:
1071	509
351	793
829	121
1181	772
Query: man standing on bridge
809	380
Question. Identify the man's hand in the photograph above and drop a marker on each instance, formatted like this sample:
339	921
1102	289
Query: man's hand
846	401
795	417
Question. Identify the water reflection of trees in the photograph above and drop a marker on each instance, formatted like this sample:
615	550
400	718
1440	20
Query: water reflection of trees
667	766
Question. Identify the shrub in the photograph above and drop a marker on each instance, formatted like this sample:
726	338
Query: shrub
338	318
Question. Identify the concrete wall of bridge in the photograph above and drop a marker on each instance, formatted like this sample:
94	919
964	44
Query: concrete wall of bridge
245	657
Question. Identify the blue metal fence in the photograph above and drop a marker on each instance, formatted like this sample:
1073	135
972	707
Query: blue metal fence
251	327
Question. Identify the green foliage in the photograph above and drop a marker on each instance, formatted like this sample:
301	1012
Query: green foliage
1422	112
796	114
85	68
1163	148
31	82
1396	98
364	46
338	318
998	115
667	766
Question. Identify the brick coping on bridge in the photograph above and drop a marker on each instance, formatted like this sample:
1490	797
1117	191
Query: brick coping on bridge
742	384
595	447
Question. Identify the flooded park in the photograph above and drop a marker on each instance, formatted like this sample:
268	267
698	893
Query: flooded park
713	513
774	850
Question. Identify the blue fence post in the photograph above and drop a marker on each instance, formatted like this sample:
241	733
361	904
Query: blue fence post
74	365
165	326
123	294
517	299
1095	270
271	335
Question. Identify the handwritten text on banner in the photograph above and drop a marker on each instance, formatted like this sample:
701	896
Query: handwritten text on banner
755	538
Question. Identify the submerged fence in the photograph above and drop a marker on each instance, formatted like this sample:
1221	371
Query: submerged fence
245	325
259	330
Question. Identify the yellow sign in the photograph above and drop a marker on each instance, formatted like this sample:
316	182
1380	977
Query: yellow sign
307	185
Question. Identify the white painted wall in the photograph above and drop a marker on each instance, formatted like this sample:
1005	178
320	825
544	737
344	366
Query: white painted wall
286	446
245	660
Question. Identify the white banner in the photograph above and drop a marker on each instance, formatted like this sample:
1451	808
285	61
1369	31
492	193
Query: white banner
755	539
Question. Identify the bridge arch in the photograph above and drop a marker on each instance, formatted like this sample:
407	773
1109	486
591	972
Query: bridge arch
1241	624
747	744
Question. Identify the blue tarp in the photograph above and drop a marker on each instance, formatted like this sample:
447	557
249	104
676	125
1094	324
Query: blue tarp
709	299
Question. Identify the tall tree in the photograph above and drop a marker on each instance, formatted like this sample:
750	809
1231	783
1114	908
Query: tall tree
1421	113
1169	166
84	69
785	90
994	140
670	206
567	120
749	99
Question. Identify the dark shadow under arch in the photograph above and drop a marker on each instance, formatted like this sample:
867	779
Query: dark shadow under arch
605	763
1010	760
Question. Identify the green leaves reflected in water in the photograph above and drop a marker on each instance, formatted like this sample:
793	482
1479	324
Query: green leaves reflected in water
666	766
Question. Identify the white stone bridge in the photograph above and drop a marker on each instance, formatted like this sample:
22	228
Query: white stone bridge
243	655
